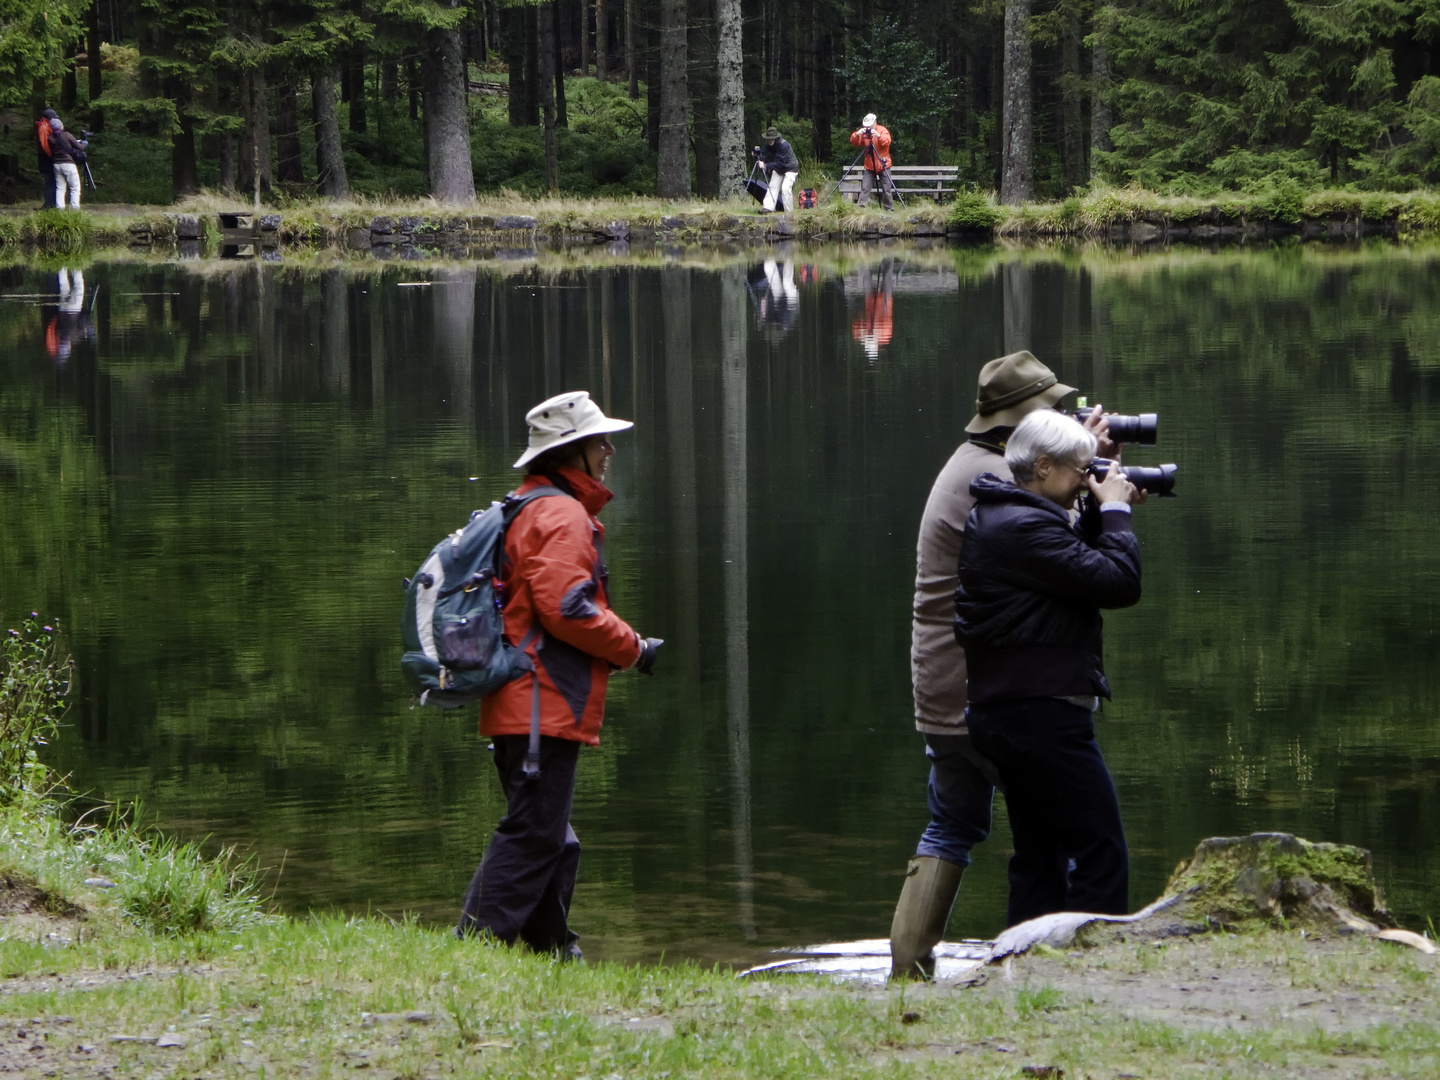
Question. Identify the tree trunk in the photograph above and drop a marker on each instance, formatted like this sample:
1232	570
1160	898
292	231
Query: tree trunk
447	126
412	88
389	80
730	94
652	94
69	84
93	71
1072	135
824	111
546	49
672	173
704	99
184	176
227	163
357	92
289	168
1101	119
562	115
602	42
584	6
512	51
631	70
532	65
329	159
1017	125
255	162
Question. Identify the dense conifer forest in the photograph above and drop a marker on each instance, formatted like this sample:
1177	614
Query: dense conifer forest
1034	99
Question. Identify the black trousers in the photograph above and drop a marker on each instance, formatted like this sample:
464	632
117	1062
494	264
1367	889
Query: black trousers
523	887
1070	852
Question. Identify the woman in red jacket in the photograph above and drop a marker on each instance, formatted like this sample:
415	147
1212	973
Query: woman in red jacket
554	584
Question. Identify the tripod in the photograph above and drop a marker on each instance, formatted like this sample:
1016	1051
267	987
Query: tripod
869	146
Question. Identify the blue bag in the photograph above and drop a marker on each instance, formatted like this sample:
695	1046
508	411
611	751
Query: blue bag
453	627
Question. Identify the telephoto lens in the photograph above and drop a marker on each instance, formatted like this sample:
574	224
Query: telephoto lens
1158	480
1143	429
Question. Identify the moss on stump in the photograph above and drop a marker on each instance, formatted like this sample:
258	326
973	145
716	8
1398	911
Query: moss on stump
1270	879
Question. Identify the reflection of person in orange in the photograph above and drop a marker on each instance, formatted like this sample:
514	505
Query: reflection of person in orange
875	326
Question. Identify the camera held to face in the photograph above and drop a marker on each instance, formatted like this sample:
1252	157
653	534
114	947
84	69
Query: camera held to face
1143	429
1158	480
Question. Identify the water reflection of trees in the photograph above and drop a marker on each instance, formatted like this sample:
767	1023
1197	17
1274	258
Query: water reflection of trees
228	481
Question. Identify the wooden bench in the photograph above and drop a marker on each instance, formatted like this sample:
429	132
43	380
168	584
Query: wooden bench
929	180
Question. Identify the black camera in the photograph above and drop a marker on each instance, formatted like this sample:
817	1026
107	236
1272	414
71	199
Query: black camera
1158	480
1143	429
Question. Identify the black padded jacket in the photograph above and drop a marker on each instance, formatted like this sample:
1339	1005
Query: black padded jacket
779	158
1027	609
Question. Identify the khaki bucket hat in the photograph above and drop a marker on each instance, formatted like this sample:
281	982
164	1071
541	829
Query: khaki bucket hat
1011	388
566	418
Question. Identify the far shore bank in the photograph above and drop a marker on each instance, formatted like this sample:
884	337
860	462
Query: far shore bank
509	221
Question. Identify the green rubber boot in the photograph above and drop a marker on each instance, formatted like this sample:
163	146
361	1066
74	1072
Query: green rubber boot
921	915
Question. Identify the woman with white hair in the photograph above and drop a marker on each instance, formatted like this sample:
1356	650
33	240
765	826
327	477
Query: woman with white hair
1032	584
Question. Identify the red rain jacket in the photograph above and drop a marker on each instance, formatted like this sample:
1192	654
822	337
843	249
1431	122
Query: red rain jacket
554	572
877	146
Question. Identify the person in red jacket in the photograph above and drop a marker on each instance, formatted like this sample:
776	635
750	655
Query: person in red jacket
43	161
875	138
556	607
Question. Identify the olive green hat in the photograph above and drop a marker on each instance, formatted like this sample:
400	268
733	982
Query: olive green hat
1011	388
771	132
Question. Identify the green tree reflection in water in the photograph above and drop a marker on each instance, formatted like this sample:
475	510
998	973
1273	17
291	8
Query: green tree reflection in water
220	492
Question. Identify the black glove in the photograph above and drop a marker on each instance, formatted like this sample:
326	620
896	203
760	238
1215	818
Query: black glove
648	648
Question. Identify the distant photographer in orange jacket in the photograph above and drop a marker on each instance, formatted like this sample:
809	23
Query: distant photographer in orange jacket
556	606
875	138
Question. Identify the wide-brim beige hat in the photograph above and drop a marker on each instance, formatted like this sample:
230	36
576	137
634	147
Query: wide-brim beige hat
566	418
869	120
1013	387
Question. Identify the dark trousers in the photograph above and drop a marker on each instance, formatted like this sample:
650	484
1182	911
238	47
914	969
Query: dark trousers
523	887
1070	852
961	788
47	183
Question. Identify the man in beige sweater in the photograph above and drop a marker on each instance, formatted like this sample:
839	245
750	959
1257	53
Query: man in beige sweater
962	783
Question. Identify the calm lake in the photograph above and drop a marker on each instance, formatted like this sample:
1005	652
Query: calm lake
216	474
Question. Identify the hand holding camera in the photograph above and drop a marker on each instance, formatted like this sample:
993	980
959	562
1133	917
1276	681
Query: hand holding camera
1112	485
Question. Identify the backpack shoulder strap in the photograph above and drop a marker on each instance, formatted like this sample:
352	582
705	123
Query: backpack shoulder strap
512	505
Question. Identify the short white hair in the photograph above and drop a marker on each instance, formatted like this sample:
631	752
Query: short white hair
1046	432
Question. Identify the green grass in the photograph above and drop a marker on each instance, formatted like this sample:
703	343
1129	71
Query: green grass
326	994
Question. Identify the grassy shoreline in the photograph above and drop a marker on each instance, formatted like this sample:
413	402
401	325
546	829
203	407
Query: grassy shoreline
1118	215
91	981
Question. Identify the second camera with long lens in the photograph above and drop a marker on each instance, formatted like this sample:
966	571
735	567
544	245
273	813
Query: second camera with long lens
1156	479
